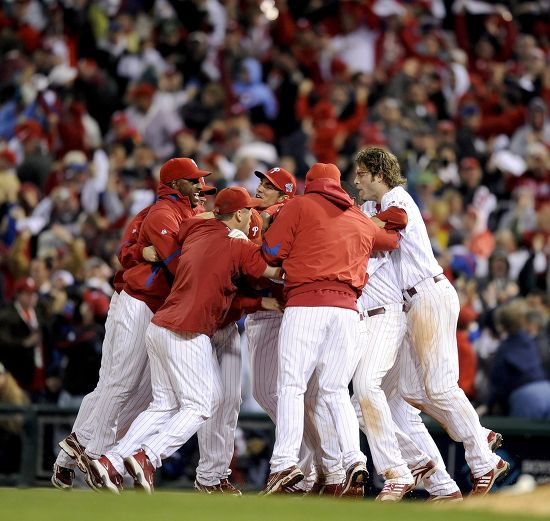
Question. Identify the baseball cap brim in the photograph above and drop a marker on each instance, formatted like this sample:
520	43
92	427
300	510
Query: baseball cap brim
267	176
208	190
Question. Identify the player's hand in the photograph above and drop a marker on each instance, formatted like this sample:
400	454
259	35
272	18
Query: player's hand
149	254
378	222
271	304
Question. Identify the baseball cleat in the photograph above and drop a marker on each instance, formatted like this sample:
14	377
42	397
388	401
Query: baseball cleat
483	484
356	476
455	497
62	477
494	440
394	491
139	466
278	481
74	449
104	472
207	489
230	488
421	472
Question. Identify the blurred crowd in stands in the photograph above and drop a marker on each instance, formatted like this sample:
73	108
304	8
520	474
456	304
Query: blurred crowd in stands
96	95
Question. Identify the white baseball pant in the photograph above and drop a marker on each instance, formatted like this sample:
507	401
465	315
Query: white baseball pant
127	381
321	340
429	370
379	340
415	442
217	435
262	331
90	422
185	378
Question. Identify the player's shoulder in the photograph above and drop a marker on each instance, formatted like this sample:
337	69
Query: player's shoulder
399	197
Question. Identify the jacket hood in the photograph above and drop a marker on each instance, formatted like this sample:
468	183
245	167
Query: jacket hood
331	190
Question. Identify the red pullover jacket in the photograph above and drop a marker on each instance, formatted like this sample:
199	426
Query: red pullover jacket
129	254
323	243
148	282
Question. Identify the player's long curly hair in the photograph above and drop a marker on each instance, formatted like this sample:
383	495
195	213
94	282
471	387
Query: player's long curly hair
377	160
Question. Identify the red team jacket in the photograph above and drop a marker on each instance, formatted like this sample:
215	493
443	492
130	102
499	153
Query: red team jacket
205	283
148	282
323	243
129	253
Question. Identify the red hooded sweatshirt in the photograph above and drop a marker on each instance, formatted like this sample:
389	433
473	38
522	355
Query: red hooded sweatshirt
210	264
323	243
149	282
129	254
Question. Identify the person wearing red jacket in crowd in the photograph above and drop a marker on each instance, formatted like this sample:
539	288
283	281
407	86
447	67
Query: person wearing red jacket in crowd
329	130
323	243
146	286
130	253
186	378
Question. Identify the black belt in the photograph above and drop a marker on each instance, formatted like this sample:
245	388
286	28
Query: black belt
377	311
412	291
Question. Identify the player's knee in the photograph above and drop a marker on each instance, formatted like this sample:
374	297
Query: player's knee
439	395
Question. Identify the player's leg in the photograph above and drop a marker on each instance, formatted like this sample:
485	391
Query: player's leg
262	331
432	328
302	332
337	363
379	344
217	436
320	434
130	363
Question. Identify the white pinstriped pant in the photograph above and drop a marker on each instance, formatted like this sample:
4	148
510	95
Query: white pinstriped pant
380	338
321	340
429	371
185	378
415	445
262	331
217	435
99	422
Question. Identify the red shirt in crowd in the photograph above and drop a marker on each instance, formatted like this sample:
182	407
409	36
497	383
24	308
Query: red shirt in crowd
324	243
207	270
150	282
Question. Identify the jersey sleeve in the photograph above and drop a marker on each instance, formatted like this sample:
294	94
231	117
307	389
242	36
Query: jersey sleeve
255	230
396	218
161	229
129	255
278	240
385	240
250	259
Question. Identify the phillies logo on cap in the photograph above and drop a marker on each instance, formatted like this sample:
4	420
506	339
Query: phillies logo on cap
276	169
289	187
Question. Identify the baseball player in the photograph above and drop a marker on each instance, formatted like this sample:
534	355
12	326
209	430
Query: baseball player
129	255
185	374
323	277
145	288
429	366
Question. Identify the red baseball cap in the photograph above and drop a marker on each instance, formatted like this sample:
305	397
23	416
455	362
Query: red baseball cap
207	189
230	200
181	168
469	162
25	284
280	179
323	171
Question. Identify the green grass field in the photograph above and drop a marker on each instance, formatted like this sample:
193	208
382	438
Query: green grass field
48	504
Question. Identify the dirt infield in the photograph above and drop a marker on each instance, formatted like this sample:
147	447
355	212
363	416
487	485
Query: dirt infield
532	503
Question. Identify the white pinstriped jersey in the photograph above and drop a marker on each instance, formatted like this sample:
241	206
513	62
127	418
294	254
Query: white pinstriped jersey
414	259
383	286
